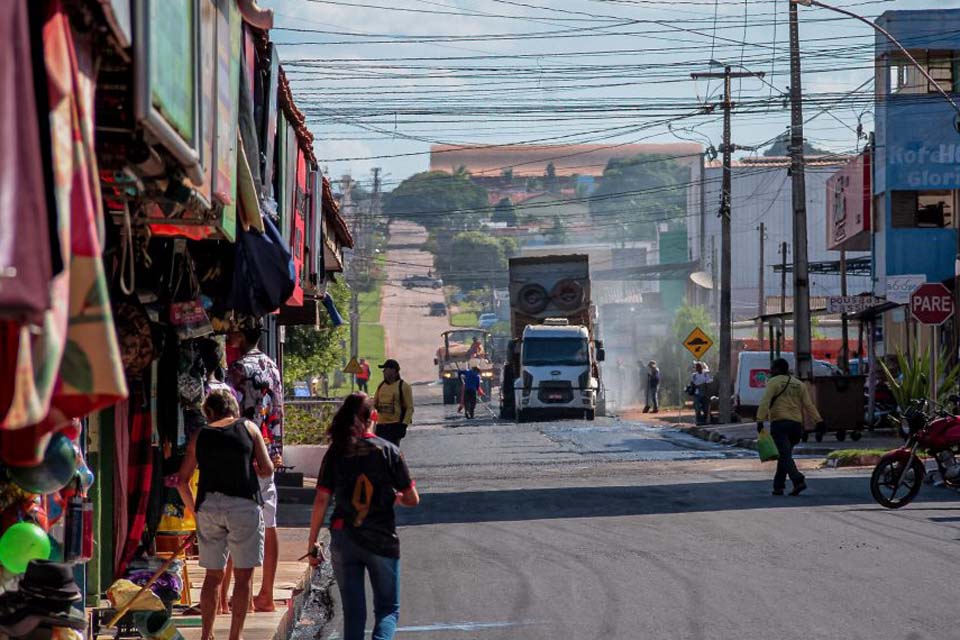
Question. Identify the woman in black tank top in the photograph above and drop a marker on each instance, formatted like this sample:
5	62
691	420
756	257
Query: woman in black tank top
230	453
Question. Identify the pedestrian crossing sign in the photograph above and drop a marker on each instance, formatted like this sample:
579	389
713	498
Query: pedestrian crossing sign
352	367
698	343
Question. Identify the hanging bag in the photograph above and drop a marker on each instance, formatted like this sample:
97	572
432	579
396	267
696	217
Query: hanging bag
264	275
187	315
766	447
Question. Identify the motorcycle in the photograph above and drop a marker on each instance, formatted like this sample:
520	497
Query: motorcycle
886	413
926	426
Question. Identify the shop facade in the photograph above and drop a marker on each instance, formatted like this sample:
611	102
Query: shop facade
165	195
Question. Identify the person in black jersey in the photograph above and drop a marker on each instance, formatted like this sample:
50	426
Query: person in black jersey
231	454
367	475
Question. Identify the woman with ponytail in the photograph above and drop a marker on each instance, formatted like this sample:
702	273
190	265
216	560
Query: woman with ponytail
368	475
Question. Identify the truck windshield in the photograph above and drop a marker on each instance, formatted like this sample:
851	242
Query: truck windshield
555	351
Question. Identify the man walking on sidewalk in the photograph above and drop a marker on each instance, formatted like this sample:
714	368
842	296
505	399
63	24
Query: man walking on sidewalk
701	396
393	401
785	403
652	403
256	379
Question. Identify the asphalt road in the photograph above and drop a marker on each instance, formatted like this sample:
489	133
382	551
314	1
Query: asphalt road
412	334
616	530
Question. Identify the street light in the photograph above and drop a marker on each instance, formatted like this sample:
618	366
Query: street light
886	34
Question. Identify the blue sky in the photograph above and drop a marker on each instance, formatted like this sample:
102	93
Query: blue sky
380	80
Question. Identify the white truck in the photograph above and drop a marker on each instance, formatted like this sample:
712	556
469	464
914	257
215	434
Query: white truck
552	365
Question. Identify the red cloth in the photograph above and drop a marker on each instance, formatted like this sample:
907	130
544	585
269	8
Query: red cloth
139	475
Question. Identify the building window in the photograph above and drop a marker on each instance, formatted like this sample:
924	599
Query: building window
941	65
921	209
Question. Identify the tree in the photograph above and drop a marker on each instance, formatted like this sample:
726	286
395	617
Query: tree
503	211
635	193
557	234
477	260
433	198
550	178
674	360
308	351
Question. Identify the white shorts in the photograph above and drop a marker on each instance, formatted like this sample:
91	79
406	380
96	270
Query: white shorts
230	525
268	491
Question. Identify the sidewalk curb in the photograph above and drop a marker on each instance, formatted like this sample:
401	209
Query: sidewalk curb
802	449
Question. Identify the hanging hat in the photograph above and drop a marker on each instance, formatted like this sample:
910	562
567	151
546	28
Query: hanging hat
46	595
50	581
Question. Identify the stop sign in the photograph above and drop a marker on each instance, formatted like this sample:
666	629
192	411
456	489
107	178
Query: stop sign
931	304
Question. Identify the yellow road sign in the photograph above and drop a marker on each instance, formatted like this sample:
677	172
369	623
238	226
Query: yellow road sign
698	343
352	367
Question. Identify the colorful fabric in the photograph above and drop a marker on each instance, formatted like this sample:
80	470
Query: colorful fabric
139	470
72	366
256	380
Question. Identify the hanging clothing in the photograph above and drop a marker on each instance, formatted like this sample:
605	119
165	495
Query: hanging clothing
72	366
26	266
139	475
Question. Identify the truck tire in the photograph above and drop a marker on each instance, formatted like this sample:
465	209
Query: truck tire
506	412
567	294
590	414
532	298
520	416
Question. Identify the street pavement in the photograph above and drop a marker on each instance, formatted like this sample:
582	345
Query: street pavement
412	334
615	529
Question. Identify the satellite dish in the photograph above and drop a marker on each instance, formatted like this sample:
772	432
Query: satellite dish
702	279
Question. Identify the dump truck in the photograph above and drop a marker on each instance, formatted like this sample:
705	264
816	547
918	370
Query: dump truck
457	353
552	365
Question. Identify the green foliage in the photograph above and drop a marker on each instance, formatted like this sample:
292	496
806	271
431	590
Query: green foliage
464	319
303	425
637	192
674	360
914	380
504	212
474	260
437	198
550	178
309	351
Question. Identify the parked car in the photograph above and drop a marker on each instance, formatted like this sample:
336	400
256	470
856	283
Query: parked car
437	309
486	320
753	368
422	281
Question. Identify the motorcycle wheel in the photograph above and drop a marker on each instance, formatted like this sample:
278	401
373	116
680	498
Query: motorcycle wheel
885	476
841	436
856	435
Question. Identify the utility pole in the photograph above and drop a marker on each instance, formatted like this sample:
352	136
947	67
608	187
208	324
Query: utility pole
714	298
347	207
844	324
783	277
801	280
725	390
761	291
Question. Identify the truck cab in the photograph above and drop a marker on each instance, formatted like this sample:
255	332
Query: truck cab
558	372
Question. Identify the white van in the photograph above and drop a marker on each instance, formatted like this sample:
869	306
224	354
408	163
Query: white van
753	369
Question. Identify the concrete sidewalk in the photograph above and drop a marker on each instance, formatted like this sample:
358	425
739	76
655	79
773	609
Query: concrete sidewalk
290	591
744	434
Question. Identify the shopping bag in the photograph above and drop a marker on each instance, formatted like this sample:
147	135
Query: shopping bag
766	447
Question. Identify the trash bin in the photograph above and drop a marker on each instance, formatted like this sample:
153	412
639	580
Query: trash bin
840	401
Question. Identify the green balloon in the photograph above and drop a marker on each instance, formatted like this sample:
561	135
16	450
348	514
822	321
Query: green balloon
22	543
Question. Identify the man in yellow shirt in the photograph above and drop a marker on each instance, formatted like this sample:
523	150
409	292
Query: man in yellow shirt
785	403
393	401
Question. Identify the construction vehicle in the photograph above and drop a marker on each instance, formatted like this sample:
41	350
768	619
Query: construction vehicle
457	353
552	364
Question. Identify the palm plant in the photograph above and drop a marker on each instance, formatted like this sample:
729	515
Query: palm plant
914	381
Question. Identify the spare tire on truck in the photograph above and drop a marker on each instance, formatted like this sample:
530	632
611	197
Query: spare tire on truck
532	298
567	294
